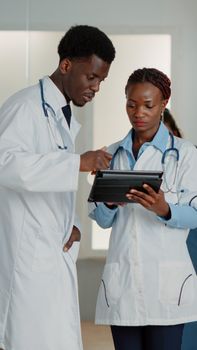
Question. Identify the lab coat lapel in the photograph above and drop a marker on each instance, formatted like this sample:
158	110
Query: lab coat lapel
150	159
63	134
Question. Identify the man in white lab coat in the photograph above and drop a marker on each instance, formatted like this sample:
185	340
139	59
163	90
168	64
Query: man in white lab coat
38	182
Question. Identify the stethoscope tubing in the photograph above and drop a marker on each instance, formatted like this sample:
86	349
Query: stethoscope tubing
171	149
46	105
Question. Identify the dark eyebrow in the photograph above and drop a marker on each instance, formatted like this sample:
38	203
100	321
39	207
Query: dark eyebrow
92	73
147	100
97	76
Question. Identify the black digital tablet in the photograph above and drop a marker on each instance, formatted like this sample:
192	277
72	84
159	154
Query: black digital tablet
112	185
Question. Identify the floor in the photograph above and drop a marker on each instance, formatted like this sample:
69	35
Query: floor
96	337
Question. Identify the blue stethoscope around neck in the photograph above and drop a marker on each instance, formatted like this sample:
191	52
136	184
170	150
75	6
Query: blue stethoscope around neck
47	107
172	151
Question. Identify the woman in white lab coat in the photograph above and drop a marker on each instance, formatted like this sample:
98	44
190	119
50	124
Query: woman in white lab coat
38	182
149	288
189	340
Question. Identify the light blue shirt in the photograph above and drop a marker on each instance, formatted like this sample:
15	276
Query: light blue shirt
182	216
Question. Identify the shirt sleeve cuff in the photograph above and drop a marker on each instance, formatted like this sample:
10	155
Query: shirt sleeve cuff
181	217
105	210
173	219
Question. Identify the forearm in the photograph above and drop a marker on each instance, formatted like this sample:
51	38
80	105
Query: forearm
103	215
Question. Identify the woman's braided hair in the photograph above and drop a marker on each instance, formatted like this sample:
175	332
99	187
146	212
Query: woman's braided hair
153	76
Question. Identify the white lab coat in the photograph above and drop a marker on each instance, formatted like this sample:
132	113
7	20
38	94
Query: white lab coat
38	183
149	278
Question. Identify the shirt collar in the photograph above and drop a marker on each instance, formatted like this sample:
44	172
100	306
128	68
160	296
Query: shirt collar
161	138
159	141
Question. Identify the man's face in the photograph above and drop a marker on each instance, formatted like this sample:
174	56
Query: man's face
82	79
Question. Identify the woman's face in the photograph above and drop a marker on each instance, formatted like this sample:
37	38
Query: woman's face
144	106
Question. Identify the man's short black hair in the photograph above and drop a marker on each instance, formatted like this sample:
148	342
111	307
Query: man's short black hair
83	41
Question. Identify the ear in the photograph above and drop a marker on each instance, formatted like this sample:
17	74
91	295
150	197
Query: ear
65	65
163	105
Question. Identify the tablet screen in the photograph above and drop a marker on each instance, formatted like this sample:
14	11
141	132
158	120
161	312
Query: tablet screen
113	185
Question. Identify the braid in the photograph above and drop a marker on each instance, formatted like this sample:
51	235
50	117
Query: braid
153	76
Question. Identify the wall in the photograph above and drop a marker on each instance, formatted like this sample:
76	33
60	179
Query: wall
176	17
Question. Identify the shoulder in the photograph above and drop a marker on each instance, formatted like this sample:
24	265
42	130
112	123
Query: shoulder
183	143
19	111
21	106
186	148
113	147
25	97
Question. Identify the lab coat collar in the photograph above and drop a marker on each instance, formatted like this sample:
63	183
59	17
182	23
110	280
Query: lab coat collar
56	99
159	141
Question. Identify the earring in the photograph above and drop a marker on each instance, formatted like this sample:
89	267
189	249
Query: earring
162	115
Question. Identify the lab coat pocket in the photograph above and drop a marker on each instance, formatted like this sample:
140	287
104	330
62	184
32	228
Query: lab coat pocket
111	283
45	256
176	283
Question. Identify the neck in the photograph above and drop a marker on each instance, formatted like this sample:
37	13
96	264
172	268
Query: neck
144	136
57	80
140	137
